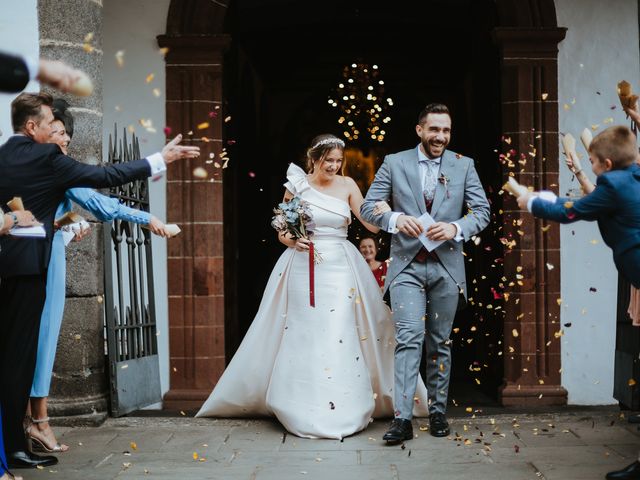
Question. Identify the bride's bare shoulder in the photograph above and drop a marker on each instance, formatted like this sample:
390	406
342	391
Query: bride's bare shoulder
349	183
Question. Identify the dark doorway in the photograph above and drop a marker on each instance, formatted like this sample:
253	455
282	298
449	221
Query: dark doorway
285	60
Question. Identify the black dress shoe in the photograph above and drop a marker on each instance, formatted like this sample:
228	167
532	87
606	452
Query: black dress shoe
29	460
401	429
438	425
635	418
630	472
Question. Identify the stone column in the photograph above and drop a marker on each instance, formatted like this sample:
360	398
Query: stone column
532	326
79	390
195	258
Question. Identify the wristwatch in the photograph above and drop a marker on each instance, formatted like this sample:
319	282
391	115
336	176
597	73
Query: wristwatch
14	217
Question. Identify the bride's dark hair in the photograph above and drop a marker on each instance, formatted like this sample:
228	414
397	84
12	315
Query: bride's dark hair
320	147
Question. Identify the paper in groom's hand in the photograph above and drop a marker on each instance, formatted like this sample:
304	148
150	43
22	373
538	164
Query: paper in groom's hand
427	220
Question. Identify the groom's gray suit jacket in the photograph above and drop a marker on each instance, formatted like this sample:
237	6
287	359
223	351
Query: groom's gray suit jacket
459	198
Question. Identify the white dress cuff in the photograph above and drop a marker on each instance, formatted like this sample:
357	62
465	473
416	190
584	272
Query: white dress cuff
458	237
392	222
157	164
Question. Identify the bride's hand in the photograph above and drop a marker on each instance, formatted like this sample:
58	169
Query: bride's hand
381	207
302	244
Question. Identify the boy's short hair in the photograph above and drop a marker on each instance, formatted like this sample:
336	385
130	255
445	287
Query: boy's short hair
618	144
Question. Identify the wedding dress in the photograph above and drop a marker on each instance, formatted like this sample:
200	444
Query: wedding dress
324	372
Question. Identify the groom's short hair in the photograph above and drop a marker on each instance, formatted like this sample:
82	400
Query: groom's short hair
432	108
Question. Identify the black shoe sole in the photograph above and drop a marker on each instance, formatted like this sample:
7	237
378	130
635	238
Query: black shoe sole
394	440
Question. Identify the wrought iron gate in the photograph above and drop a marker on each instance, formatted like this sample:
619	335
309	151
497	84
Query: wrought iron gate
129	296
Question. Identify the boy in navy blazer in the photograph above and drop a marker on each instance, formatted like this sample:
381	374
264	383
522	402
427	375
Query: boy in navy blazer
614	204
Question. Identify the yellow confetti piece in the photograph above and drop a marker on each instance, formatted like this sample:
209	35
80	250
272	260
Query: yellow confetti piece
568	204
87	48
133	445
550	266
608	120
514	332
120	58
195	455
200	172
150	77
631	382
468	409
559	333
566	106
595	127
545	96
157	92
559	301
163	51
227	119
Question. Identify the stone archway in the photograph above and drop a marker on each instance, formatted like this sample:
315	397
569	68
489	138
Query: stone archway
528	39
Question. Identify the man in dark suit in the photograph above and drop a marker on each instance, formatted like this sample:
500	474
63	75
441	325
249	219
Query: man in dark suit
16	71
40	174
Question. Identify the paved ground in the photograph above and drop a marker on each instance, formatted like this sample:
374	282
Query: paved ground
570	445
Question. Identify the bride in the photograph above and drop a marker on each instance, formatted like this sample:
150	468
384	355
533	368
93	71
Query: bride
322	371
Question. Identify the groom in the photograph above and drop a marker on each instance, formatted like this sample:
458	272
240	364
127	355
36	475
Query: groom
425	287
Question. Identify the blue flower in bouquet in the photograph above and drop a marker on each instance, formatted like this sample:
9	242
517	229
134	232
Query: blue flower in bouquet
295	218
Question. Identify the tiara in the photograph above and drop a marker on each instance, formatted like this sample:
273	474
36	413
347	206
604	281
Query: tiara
328	141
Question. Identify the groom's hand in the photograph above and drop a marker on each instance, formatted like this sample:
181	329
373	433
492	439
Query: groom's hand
409	225
442	231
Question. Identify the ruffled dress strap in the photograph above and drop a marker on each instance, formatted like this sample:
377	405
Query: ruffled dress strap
297	180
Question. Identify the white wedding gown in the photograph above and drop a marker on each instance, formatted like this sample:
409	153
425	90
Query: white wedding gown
323	371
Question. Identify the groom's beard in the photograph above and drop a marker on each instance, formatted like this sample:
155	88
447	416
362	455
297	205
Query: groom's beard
429	149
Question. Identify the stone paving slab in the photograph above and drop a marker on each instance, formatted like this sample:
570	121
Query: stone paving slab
548	446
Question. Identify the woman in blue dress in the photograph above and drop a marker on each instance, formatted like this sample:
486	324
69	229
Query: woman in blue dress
105	209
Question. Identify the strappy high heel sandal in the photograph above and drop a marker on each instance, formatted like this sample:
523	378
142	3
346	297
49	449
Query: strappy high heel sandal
9	476
38	445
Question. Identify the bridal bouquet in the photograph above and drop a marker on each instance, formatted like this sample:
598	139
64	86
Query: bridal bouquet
294	217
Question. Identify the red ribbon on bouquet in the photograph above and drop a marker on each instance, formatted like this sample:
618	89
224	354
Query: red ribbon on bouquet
312	293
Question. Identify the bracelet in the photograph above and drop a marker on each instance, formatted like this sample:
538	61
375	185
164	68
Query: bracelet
577	172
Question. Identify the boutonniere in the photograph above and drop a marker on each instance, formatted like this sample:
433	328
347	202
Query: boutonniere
444	180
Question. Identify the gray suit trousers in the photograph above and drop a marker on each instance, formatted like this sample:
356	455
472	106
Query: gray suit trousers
424	300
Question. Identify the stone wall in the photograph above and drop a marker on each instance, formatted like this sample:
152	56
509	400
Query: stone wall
71	30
